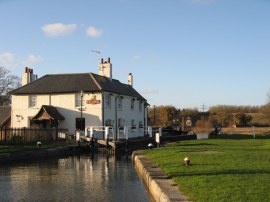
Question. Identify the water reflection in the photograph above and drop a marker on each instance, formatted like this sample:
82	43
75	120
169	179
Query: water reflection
75	178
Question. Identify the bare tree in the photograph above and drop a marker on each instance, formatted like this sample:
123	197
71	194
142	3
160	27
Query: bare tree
8	82
268	97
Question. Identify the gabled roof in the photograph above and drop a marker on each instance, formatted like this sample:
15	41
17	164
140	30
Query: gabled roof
72	83
5	114
48	112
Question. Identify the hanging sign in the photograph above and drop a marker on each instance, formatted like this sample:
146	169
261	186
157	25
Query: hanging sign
93	101
188	122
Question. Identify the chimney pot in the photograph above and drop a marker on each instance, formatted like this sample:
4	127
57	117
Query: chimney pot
101	61
109	60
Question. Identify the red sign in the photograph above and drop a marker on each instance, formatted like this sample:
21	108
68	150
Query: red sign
93	101
188	122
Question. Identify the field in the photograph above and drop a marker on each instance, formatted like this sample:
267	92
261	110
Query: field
225	168
247	130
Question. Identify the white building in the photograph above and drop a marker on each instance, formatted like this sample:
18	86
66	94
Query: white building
73	101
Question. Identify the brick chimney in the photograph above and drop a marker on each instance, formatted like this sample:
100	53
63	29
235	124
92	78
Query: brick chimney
28	76
130	79
105	68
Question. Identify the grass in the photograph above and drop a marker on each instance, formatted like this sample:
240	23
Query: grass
29	147
226	168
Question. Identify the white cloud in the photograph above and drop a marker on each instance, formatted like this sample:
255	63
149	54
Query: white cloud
136	58
31	59
93	32
11	60
58	29
203	1
149	91
7	60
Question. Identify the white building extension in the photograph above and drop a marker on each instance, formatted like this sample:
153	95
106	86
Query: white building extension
74	101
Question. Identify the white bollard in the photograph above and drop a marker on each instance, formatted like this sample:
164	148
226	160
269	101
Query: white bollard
126	132
91	132
106	133
150	131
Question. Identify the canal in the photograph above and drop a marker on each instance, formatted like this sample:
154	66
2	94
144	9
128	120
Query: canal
73	178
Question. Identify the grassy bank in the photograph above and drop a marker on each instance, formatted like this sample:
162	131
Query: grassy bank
227	168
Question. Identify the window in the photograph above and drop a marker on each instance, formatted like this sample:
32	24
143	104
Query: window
140	124
108	122
108	101
140	106
133	125
32	101
120	103
120	122
132	103
78	99
80	123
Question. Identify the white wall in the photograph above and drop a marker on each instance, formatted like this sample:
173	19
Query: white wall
126	113
65	104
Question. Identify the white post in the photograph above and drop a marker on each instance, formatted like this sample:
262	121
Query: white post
86	131
106	133
91	132
126	132
254	132
150	131
157	139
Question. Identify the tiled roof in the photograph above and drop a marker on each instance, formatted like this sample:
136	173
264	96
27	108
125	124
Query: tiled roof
72	83
5	113
50	111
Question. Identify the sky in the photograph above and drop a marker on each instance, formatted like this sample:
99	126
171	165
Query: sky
184	53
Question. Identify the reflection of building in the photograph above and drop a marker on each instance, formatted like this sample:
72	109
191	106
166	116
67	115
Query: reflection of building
74	101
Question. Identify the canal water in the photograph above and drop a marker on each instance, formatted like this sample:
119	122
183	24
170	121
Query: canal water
74	178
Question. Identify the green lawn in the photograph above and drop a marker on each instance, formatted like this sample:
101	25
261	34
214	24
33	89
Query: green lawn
227	168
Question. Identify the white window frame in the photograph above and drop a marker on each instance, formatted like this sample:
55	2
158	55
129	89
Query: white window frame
140	124
132	104
133	124
32	101
108	122
120	122
108	101
120	103
140	106
78	98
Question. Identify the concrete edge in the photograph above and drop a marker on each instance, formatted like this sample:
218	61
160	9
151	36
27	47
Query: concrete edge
161	187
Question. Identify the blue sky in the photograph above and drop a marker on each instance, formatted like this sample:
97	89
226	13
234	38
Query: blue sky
185	53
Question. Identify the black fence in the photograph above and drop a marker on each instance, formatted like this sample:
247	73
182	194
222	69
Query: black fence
29	135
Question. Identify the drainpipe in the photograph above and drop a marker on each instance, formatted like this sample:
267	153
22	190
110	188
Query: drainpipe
116	121
102	107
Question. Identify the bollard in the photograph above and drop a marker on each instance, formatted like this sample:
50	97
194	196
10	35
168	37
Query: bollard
39	144
150	145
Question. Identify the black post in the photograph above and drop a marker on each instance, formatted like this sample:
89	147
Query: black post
154	115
